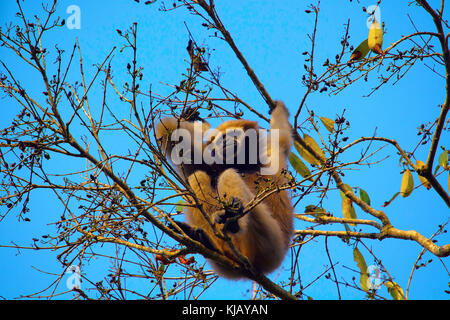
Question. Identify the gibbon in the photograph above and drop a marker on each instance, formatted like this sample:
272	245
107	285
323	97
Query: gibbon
223	188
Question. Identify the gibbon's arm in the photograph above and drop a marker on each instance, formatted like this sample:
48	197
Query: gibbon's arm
279	121
173	134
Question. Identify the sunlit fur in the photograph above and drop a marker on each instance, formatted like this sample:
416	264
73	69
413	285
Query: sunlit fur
264	233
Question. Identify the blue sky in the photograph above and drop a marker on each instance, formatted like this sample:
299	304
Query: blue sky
272	37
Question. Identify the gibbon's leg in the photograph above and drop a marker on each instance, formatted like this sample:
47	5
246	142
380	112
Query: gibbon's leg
198	228
164	130
200	183
259	236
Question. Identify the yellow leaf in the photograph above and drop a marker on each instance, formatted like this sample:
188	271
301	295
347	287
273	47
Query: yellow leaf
407	184
328	123
359	259
375	40
308	157
346	187
313	144
395	290
347	205
348	210
423	180
443	159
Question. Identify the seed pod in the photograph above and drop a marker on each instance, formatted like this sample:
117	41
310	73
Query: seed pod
375	40
407	184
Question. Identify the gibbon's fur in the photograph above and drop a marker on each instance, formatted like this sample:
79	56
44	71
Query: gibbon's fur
263	234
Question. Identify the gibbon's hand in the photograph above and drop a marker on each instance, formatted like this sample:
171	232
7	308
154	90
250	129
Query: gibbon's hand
193	233
191	114
230	217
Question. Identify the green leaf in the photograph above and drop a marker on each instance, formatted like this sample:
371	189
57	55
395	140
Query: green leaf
359	259
328	123
364	196
180	206
436	169
443	159
361	51
315	211
395	290
299	166
347	228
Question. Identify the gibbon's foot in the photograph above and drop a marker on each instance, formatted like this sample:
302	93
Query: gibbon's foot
194	233
231	216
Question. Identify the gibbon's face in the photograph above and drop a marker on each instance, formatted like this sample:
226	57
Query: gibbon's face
235	147
227	145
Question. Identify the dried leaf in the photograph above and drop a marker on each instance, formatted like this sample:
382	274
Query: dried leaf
347	188
361	51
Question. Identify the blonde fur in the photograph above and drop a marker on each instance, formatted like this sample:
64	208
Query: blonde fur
265	232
